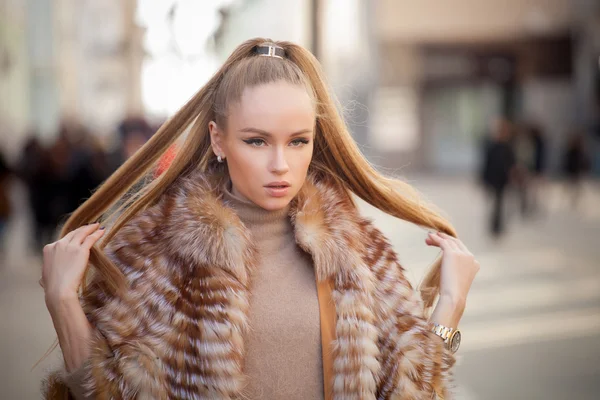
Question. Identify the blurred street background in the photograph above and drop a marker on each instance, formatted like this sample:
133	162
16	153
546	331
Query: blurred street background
490	108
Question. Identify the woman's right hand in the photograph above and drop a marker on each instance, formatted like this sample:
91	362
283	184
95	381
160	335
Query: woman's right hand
65	262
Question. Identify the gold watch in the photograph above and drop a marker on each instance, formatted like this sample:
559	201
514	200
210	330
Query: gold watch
451	337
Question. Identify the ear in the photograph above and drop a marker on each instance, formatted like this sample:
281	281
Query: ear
216	139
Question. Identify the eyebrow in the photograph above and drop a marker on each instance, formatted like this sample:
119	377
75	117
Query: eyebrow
265	133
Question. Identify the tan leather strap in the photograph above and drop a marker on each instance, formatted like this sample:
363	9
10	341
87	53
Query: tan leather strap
328	321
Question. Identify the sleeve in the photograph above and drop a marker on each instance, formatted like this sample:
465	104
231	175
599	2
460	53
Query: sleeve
414	361
122	363
74	382
60	385
78	384
128	326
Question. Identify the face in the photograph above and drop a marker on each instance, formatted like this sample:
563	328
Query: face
268	143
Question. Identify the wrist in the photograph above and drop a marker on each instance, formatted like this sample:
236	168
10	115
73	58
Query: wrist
448	311
59	302
457	303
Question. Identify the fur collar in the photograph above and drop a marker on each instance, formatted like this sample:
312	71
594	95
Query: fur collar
204	231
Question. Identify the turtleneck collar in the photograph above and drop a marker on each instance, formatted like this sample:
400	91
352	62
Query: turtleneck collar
271	230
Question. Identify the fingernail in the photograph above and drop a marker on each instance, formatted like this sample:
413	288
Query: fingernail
102	227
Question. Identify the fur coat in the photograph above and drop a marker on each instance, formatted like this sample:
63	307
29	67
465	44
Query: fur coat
178	331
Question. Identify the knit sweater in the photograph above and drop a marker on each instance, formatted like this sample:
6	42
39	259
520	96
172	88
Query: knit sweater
283	348
283	359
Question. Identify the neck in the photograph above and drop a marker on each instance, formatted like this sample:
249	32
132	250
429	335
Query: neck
271	230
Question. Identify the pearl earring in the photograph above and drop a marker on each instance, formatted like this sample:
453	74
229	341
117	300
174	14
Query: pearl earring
219	159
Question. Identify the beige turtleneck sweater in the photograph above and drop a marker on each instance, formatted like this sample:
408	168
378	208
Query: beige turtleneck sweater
283	359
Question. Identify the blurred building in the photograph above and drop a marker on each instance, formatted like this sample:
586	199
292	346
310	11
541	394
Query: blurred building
277	20
447	68
67	58
418	82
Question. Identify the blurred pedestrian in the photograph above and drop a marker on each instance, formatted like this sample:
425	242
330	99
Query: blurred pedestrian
576	163
5	207
89	167
50	189
538	169
524	151
498	169
29	169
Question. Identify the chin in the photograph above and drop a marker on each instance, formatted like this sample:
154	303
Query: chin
274	204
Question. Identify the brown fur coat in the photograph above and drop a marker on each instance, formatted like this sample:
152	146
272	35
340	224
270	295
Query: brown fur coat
178	332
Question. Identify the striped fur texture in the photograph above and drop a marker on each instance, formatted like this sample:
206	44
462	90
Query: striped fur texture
178	332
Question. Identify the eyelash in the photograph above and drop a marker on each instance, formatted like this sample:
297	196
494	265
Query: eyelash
254	142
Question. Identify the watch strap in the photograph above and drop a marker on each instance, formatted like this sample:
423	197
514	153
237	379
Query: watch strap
442	331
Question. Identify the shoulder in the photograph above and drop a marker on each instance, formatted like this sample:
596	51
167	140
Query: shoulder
187	227
175	213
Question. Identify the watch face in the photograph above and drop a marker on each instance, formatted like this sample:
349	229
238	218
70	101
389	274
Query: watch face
455	342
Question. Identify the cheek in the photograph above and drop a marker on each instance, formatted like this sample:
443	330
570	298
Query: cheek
300	160
243	161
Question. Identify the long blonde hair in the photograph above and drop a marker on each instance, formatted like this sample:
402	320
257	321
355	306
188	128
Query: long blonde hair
335	153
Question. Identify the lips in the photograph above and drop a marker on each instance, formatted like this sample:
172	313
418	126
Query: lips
278	185
278	189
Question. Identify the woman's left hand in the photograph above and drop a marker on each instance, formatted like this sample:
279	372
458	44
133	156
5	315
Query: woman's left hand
459	267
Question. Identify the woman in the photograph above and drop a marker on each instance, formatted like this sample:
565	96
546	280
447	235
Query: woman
244	270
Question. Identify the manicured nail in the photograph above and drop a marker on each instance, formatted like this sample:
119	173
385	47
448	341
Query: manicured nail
102	227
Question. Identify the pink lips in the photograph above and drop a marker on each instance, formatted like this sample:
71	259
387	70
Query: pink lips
278	189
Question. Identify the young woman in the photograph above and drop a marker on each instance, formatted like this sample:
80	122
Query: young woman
244	270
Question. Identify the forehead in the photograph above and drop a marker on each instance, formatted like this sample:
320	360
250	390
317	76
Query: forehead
273	107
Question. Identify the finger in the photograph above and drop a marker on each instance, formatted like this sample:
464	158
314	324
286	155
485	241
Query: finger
84	232
69	236
432	239
462	246
92	239
437	241
459	243
449	239
456	241
47	250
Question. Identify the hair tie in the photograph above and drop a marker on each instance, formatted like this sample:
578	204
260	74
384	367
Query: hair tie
270	51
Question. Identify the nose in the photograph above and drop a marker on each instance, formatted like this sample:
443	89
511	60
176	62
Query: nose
279	164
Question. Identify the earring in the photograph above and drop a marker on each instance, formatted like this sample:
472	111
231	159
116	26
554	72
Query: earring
219	159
